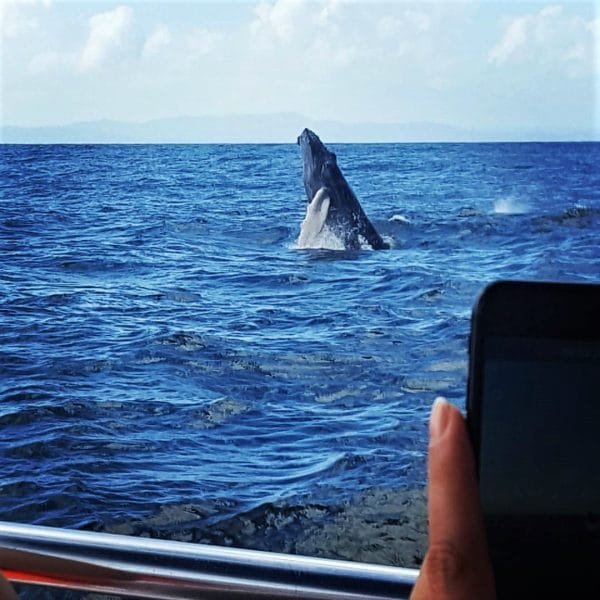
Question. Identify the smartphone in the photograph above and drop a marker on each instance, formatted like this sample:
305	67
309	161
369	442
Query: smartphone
533	410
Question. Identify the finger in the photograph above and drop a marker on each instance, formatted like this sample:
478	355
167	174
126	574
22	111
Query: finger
454	508
456	565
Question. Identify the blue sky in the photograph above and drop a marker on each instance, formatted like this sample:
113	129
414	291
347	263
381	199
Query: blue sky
500	66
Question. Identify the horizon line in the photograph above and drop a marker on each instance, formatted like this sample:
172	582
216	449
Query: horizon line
276	128
263	143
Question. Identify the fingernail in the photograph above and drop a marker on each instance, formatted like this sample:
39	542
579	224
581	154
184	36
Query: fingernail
440	416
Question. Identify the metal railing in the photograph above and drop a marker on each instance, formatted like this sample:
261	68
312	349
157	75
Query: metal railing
160	569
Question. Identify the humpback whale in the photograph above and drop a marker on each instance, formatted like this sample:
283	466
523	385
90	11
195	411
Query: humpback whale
332	205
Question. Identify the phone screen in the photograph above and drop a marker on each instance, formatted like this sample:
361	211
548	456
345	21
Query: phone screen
540	427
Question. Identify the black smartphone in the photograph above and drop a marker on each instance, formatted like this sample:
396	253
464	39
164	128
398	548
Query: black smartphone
533	410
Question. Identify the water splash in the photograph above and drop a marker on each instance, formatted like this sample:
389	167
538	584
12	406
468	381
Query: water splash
324	239
510	206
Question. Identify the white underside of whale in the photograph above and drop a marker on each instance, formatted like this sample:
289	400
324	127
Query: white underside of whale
314	232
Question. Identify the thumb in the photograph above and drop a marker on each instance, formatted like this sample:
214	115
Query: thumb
457	563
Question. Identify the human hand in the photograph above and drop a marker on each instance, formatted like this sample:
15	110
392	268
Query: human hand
457	564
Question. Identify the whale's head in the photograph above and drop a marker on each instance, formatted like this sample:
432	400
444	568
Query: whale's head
320	165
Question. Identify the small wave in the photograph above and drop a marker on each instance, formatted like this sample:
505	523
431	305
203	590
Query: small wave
416	384
510	206
328	398
273	235
399	219
378	525
576	213
469	211
91	266
17	223
388	239
218	412
35	414
448	366
179	297
61	367
185	341
432	295
575	216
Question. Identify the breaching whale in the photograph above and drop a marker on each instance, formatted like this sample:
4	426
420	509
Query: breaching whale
332	205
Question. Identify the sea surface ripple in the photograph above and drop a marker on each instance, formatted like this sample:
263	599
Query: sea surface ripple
163	342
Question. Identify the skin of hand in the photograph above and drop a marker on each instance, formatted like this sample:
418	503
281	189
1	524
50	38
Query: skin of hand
457	564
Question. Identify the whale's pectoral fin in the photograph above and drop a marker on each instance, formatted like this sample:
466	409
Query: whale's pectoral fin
319	205
316	216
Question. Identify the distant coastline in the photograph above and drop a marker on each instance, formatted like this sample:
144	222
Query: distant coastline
270	129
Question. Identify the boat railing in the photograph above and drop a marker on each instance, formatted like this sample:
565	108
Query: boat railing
168	570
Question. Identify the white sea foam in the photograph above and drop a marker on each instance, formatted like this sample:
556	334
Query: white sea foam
364	243
389	240
399	218
510	206
325	239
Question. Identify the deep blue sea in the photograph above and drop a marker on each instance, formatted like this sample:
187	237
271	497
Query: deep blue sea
163	341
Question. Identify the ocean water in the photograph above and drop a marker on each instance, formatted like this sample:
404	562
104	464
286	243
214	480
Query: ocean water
164	343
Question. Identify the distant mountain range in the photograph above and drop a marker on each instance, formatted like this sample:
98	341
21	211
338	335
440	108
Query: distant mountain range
275	128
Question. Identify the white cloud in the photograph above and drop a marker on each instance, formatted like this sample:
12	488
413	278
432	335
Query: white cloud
593	28
17	17
296	21
336	59
106	32
329	59
159	39
328	13
295	45
202	42
515	37
402	33
44	62
548	37
281	18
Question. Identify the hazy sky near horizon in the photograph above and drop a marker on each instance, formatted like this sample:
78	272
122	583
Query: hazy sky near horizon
502	66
